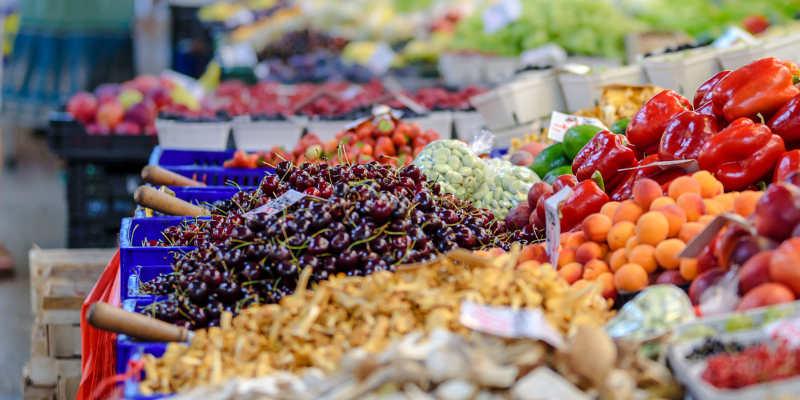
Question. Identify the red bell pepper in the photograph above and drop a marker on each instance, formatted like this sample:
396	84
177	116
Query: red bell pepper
786	121
624	190
703	93
761	87
564	181
708	109
685	135
740	122
741	155
586	199
648	124
605	153
787	163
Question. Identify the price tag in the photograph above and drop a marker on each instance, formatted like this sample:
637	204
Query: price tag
283	202
787	330
690	166
381	59
505	322
238	55
699	242
560	122
553	223
500	14
733	35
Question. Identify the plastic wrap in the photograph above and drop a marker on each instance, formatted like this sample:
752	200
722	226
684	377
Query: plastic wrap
653	312
455	165
505	185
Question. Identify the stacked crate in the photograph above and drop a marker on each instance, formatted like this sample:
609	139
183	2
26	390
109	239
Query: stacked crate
60	281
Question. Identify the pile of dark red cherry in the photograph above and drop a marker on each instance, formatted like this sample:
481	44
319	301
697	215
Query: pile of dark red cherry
363	218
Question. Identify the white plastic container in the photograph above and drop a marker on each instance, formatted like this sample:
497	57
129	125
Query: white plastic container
467	124
499	69
520	102
502	138
439	121
784	47
193	135
741	54
459	69
263	135
325	130
584	90
683	71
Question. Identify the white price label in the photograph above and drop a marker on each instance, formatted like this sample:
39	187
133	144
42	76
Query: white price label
281	203
500	14
506	322
553	223
690	166
787	331
560	122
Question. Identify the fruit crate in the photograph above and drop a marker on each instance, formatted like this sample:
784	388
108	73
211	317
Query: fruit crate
101	192
67	138
206	167
193	135
129	349
131	276
198	195
196	158
134	231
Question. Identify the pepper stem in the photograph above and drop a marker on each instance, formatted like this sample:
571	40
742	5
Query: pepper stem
795	79
761	185
598	178
762	118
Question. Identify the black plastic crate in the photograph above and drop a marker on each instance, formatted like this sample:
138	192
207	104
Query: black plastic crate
92	234
67	138
101	191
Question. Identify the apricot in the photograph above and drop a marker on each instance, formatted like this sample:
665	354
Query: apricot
689	231
496	251
688	268
726	200
676	217
535	252
530	264
652	228
566	256
628	210
784	266
564	238
587	252
661	202
609	208
705	219
594	268
683	185
571	272
596	227
617	259
482	253
712	207
645	191
580	284
667	253
609	289
709	186
644	255
577	239
619	234
693	204
630	244
745	203
630	278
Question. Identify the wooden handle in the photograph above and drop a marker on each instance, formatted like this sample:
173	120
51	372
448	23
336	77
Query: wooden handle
109	318
150	197
158	176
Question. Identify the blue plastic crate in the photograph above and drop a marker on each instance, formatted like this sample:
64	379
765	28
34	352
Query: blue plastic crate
197	158
206	167
200	195
497	153
135	231
130	276
128	349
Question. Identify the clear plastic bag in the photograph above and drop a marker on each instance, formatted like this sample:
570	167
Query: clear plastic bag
505	186
653	312
455	164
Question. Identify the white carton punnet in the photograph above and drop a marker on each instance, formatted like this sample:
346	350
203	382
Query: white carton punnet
583	91
519	102
193	135
325	130
741	54
784	47
683	71
439	121
263	135
467	124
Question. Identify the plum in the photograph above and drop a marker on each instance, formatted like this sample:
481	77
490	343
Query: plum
533	148
766	294
670	276
755	271
83	106
778	211
518	217
703	282
140	114
747	247
536	191
127	128
96	128
784	265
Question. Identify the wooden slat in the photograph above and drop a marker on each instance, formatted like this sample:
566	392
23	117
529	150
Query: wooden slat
61	341
68	387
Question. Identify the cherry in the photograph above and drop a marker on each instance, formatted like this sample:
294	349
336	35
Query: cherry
398	226
381	211
423	200
199	317
308	260
283	168
312	191
269	184
340	242
286	270
228	291
347	261
325	189
318	245
252	271
197	291
212	278
328	264
379	245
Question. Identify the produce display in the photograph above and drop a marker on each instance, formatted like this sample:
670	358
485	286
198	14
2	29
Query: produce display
314	328
751	366
619	102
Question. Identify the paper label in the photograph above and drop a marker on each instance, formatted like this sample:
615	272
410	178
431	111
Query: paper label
505	322
500	14
560	122
690	166
704	238
553	223
381	59
787	331
281	203
733	35
238	55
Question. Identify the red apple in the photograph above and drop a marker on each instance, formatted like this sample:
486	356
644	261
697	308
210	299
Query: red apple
141	114
83	106
127	128
96	128
107	92
755	271
784	265
150	130
161	97
110	114
703	282
146	83
766	294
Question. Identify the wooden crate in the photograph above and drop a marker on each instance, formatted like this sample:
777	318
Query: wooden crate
34	392
68	387
63	299
69	265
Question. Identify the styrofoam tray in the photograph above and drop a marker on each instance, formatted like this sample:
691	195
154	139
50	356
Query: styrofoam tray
325	130
263	135
467	124
689	372
784	47
439	121
583	91
741	54
520	102
683	71
193	135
